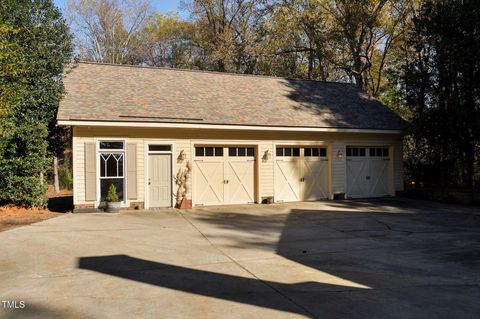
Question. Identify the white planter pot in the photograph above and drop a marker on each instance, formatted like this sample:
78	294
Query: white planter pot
113	207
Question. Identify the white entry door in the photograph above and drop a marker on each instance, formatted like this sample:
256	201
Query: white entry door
159	180
368	172
301	174
223	175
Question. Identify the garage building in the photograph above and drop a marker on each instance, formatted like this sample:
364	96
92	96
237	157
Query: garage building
224	138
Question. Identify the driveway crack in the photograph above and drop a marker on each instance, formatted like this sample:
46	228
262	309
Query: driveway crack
246	269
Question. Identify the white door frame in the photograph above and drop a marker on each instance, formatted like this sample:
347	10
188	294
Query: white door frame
146	153
125	202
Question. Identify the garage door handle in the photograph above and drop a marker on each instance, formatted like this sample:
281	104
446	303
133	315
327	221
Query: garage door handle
368	178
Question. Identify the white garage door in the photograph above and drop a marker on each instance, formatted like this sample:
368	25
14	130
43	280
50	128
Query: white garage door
367	172
301	174
224	175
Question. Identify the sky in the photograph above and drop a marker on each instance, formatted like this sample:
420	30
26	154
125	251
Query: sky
162	6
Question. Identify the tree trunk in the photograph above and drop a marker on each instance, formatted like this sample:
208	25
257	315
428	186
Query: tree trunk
56	186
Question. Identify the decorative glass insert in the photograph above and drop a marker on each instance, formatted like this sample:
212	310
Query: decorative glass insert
159	148
111	164
241	151
356	151
111	145
208	151
288	151
315	152
378	152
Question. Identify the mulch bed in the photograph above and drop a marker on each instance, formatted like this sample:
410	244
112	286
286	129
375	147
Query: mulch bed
12	216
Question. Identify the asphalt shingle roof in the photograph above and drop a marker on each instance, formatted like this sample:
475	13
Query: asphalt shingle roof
103	92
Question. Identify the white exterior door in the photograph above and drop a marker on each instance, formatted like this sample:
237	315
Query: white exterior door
159	180
301	174
368	172
224	175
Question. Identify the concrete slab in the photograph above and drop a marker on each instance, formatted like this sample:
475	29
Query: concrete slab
388	258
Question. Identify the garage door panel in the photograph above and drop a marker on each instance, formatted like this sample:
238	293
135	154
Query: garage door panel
315	173
367	172
379	177
357	184
223	175
240	187
287	180
208	182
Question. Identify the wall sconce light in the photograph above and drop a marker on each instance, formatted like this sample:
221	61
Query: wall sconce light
339	154
267	155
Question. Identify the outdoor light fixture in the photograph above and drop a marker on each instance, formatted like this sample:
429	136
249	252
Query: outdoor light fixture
339	154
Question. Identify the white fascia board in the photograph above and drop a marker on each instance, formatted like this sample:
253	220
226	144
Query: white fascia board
221	127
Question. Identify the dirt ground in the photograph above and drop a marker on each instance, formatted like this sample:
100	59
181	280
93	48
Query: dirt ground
13	216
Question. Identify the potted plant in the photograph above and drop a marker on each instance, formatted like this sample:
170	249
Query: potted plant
113	203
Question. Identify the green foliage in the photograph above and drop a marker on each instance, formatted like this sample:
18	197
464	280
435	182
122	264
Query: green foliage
112	195
34	48
442	83
65	174
23	162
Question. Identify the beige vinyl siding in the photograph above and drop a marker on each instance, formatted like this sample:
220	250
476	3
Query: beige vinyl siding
266	167
186	139
141	170
179	163
338	168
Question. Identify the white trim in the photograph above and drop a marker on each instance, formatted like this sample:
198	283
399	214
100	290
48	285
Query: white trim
222	127
146	152
125	202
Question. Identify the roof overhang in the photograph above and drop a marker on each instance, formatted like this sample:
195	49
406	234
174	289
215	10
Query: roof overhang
220	127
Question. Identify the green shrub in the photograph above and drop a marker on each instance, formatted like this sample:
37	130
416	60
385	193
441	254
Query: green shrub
23	162
65	174
112	195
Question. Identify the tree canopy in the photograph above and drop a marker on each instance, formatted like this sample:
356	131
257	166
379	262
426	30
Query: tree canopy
35	47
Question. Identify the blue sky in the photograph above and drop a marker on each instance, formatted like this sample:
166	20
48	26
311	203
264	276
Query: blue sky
158	5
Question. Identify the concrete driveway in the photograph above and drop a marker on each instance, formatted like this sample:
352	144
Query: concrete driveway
358	259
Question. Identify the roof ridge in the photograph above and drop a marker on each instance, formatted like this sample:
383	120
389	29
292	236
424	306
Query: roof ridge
210	72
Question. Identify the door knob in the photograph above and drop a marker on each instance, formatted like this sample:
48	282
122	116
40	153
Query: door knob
149	182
